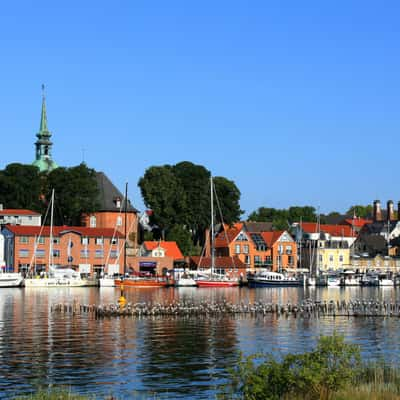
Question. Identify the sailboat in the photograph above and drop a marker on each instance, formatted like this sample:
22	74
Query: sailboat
10	279
57	275
213	279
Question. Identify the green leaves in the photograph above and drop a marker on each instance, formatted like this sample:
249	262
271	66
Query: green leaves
313	375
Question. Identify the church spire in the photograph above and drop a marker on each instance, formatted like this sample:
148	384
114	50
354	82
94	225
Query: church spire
43	119
43	146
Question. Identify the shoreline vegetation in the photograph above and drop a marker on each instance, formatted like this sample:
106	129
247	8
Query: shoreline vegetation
333	370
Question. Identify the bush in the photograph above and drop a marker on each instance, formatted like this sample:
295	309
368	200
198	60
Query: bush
313	375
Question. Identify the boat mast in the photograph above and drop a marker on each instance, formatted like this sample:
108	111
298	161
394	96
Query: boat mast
125	233
51	230
212	224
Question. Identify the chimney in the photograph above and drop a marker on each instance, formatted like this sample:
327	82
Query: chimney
390	210
377	211
398	211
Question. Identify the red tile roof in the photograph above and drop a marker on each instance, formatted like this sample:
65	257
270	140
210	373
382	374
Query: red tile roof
219	262
24	230
271	237
357	222
171	248
229	234
17	211
334	230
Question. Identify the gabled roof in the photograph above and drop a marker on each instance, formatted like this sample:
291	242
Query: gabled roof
108	193
24	230
171	248
219	262
17	211
333	230
271	237
228	235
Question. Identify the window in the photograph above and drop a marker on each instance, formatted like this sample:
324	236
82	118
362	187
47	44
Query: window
40	240
290	260
246	249
114	254
56	253
99	254
330	258
247	259
257	260
341	258
320	258
56	240
24	253
39	253
84	240
84	253
113	241
242	237
288	249
24	239
99	240
268	260
280	249
119	221
237	248
92	221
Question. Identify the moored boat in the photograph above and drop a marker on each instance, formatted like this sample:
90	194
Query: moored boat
143	282
269	278
11	279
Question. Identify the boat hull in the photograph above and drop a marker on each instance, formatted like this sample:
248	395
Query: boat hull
107	282
11	280
265	283
141	283
185	282
211	283
59	282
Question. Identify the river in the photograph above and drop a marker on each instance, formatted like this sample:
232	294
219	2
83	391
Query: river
164	357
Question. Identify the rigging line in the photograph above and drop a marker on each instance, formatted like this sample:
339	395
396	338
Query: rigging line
123	242
38	237
223	223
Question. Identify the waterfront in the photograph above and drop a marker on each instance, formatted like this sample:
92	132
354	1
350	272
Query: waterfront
172	357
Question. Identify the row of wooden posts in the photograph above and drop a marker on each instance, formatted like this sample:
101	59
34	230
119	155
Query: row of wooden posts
305	309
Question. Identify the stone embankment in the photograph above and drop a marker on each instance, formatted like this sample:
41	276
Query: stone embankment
306	309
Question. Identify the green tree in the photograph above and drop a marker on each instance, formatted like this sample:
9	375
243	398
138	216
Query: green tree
182	237
360	211
76	192
180	195
21	187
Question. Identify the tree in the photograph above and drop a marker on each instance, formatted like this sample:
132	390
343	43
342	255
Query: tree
180	195
182	237
282	218
21	187
360	211
76	192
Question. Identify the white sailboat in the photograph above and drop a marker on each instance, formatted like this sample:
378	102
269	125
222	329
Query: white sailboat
56	275
215	280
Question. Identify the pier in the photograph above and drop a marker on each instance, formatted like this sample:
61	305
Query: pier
305	309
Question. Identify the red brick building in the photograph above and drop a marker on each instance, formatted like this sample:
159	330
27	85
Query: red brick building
85	249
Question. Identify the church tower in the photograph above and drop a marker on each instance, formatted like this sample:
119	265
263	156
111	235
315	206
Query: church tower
43	144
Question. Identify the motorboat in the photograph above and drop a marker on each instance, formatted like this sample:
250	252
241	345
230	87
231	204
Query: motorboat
350	278
269	278
11	279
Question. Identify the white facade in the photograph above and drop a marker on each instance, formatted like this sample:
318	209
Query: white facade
23	217
2	262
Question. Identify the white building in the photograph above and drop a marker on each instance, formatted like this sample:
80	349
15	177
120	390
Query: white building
19	217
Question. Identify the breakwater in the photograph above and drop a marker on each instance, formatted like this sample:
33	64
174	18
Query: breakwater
306	309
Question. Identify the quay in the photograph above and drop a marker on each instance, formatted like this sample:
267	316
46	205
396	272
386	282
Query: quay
305	309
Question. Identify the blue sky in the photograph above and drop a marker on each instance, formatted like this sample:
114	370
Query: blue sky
297	102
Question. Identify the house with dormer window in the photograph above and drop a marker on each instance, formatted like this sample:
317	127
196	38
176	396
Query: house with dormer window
256	247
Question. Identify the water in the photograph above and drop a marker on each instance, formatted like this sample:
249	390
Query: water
165	357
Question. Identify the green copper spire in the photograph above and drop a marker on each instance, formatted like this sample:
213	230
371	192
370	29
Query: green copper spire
44	145
43	119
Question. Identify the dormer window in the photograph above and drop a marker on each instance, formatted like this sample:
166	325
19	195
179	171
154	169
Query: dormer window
117	202
93	221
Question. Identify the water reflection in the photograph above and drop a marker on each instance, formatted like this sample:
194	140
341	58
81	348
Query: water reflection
174	357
